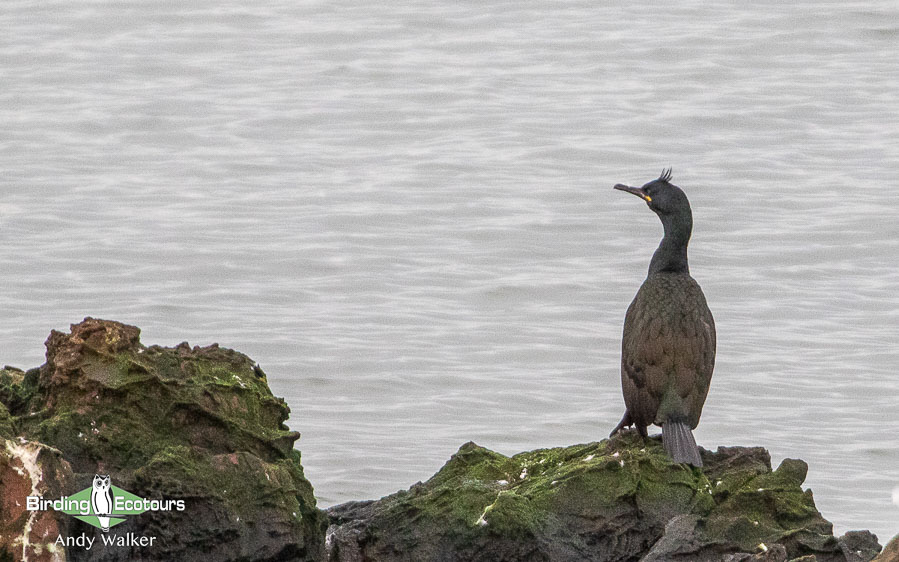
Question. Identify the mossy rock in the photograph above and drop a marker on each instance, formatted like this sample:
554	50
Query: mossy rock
192	423
619	499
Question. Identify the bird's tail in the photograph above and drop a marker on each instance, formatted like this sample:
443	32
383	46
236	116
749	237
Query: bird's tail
677	438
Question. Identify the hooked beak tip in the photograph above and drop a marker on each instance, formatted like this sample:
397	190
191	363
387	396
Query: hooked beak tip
638	191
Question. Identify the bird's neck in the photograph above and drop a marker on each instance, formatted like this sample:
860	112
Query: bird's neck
671	255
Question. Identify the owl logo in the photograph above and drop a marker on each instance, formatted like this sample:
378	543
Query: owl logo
101	500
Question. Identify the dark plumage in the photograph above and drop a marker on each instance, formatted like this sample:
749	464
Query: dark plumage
668	347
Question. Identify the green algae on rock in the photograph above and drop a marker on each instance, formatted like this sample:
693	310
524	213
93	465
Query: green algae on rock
619	499
198	424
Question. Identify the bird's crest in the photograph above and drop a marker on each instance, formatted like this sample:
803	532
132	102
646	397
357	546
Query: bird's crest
666	175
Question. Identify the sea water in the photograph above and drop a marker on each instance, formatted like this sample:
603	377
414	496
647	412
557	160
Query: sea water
404	212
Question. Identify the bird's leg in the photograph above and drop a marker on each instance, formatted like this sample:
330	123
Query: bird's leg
644	433
625	422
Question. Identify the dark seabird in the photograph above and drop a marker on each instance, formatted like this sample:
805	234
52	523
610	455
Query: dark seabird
668	347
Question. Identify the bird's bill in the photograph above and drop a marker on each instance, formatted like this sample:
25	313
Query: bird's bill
638	191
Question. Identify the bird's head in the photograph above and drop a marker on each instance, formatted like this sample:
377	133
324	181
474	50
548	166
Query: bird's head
662	196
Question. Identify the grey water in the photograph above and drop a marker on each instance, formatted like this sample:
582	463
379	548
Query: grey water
404	212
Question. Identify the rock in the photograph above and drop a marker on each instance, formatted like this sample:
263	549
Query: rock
29	468
14	393
774	553
619	499
890	552
198	424
859	546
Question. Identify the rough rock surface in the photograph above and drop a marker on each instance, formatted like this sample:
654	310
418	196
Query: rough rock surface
30	468
201	425
198	424
890	551
616	500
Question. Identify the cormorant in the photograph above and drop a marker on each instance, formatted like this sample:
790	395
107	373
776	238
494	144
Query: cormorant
668	346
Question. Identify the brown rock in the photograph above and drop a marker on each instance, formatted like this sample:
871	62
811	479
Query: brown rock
27	469
890	552
89	340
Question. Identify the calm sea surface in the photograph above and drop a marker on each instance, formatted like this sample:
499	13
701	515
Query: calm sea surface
404	213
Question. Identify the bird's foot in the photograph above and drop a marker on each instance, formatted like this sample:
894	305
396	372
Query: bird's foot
625	422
